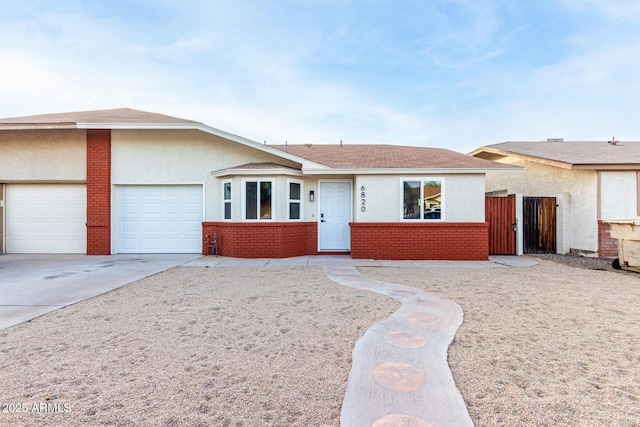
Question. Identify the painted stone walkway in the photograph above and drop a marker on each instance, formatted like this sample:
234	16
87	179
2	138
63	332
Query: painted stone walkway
400	376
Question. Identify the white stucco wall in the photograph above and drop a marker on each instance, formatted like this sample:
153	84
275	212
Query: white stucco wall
43	156
463	197
189	157
578	188
618	195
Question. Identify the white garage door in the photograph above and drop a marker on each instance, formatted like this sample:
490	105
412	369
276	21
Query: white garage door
46	218
159	218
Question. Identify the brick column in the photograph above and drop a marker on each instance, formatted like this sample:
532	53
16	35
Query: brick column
607	245
98	192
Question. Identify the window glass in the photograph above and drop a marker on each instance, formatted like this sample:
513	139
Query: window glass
265	200
411	200
227	191
227	200
294	210
432	198
251	199
295	190
422	199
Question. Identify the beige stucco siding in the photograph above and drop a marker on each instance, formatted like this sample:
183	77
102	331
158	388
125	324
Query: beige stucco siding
43	156
383	197
576	187
186	157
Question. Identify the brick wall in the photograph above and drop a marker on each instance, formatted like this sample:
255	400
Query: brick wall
607	246
263	240
420	241
98	192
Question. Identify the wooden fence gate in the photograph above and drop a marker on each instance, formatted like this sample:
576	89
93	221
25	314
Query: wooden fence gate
500	213
539	218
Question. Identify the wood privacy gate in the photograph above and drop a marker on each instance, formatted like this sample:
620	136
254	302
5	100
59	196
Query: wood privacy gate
539	221
500	213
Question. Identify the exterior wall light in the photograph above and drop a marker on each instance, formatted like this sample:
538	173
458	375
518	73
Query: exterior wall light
312	195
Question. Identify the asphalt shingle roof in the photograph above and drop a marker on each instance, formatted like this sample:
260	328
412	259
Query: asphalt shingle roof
366	156
115	116
572	153
369	156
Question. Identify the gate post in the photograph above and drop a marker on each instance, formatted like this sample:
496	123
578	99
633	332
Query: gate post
520	222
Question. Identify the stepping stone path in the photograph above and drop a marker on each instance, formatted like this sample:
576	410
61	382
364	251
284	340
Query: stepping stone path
400	376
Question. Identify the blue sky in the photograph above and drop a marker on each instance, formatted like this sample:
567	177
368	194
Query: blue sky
456	74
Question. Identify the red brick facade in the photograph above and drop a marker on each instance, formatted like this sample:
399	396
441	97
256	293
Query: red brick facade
607	245
98	192
424	241
263	240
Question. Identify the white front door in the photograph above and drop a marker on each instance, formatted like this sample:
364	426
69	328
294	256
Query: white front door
335	215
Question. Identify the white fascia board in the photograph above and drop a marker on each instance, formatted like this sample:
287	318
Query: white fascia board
212	131
417	171
51	126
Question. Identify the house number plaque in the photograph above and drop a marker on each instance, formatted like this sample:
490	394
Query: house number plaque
363	208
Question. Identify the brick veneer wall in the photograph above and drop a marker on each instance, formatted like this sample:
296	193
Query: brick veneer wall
607	245
263	240
421	241
98	192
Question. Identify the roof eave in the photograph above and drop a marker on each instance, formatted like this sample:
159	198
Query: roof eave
409	171
37	126
535	159
255	172
608	167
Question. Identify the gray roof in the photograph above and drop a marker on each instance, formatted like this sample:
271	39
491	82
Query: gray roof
115	116
595	155
383	156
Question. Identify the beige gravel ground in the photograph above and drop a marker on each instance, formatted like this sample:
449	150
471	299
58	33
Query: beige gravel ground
549	345
192	347
266	346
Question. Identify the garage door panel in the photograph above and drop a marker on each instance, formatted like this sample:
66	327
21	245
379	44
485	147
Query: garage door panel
159	219
44	218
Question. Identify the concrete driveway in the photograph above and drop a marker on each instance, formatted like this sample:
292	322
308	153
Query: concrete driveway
33	285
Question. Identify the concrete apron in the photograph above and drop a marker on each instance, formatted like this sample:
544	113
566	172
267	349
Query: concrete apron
400	375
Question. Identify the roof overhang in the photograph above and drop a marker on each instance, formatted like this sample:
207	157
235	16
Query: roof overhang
534	159
412	171
256	172
38	126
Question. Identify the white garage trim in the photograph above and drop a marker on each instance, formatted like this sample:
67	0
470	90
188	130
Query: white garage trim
46	218
158	218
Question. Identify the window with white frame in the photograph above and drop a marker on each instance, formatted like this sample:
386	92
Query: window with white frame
226	199
423	199
258	198
295	200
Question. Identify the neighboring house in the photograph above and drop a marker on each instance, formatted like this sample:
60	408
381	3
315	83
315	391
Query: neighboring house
591	181
127	181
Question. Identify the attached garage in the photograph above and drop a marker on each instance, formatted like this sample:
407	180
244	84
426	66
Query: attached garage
46	218
158	218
